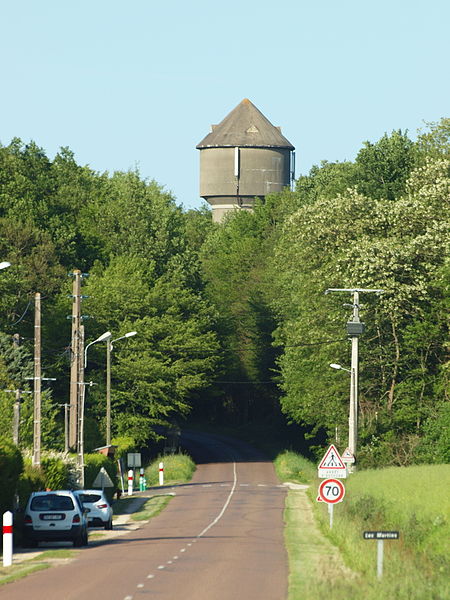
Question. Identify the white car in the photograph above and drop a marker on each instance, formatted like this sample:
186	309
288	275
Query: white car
55	516
100	512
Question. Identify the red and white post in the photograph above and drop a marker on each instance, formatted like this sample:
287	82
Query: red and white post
7	538
161	473
130	482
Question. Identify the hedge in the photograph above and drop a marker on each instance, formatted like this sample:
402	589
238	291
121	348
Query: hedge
11	467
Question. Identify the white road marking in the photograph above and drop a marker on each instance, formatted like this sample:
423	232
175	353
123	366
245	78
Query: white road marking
169	562
244	484
183	550
150	576
175	558
128	598
161	567
140	585
262	485
207	485
225	506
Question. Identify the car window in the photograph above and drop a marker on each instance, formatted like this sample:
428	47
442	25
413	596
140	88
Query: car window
52	502
89	498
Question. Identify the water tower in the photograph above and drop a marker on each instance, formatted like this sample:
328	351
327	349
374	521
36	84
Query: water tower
243	157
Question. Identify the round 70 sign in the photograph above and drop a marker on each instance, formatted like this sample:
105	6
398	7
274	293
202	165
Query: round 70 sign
331	491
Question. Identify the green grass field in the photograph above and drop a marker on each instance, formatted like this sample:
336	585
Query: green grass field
411	500
178	468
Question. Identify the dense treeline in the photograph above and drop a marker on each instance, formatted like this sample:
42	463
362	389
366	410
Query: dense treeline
232	319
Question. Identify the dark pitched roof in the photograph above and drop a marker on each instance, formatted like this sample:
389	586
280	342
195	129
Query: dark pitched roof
245	125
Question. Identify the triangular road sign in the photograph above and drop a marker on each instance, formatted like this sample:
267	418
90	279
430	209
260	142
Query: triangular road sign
102	480
332	465
348	457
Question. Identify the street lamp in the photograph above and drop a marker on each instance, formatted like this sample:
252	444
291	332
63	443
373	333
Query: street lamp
5	264
353	412
109	347
102	338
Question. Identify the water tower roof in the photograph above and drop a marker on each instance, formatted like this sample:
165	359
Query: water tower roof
244	126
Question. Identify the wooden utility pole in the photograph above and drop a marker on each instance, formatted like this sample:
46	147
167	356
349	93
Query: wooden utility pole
37	381
76	358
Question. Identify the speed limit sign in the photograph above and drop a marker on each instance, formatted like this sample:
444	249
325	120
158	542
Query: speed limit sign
331	491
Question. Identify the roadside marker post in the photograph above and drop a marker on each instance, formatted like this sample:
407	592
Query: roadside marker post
141	480
7	538
130	482
161	473
380	536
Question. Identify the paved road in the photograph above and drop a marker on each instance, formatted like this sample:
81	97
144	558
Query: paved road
220	538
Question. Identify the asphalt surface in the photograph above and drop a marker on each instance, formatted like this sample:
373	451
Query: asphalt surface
219	538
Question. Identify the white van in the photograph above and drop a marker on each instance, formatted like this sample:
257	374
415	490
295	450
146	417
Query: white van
55	516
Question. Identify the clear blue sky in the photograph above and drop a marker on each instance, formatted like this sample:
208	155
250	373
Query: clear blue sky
138	83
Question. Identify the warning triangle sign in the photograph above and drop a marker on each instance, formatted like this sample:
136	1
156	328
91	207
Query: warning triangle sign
332	465
348	457
102	480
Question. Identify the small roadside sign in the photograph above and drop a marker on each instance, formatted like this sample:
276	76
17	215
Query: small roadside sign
332	465
134	459
381	535
347	457
331	491
102	480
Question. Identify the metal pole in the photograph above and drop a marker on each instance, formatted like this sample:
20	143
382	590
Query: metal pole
108	391
66	427
75	359
81	434
16	418
380	550
37	381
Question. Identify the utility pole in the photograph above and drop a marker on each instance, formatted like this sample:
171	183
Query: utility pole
16	415
66	426
355	328
37	381
74	359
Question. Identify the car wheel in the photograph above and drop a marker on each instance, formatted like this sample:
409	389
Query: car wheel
78	541
30	544
109	524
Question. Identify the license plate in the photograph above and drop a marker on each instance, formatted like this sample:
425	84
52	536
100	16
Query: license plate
52	517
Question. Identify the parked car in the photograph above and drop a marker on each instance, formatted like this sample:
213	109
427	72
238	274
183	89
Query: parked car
55	516
100	511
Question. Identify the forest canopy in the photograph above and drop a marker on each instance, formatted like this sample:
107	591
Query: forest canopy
232	321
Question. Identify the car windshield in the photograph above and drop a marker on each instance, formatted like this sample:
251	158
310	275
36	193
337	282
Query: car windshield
89	498
52	502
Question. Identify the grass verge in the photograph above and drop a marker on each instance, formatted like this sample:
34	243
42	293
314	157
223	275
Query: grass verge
38	563
409	500
151	508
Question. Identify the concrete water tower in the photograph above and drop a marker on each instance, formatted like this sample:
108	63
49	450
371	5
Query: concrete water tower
243	157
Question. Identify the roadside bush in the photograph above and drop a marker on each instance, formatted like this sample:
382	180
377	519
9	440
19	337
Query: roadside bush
56	473
93	464
124	445
291	466
31	480
177	468
11	466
